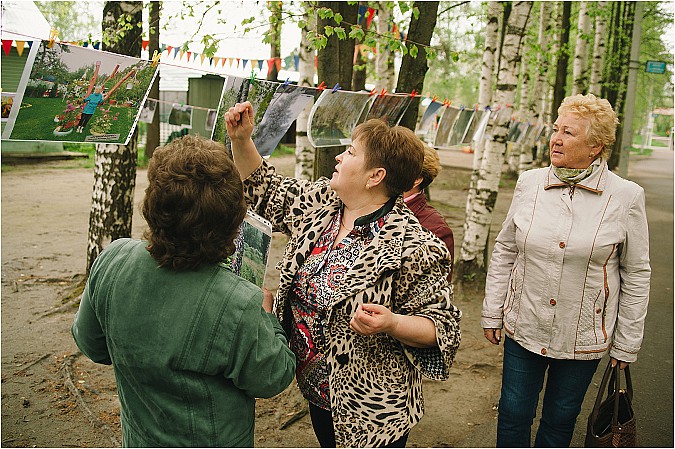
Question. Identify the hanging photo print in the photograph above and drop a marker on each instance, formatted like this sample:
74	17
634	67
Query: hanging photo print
390	107
148	111
210	119
7	102
460	127
334	116
76	94
286	105
429	122
181	115
445	127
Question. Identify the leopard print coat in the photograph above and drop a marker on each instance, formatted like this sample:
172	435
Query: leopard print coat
375	381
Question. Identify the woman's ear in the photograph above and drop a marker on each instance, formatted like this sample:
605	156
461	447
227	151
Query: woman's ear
377	176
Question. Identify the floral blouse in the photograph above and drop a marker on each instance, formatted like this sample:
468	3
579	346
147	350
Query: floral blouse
313	286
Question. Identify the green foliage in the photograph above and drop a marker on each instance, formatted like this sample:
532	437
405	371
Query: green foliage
71	19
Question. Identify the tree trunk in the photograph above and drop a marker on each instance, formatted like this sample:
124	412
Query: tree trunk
413	70
304	151
152	139
384	59
598	48
472	264
579	69
537	103
360	61
335	66
115	165
563	58
274	7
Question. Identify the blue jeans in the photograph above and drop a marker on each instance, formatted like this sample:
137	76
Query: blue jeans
523	379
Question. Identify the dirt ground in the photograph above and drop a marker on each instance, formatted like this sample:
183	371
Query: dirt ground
52	396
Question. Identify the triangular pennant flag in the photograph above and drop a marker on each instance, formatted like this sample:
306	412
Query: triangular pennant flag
162	48
296	59
361	14
175	53
243	63
188	55
85	44
215	59
168	49
181	52
371	14
270	64
6	45
277	62
30	44
260	63
97	45
19	46
144	44
202	56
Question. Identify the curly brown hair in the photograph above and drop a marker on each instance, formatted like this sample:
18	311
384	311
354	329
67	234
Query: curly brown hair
194	204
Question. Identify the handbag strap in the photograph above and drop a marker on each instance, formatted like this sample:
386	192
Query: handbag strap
601	390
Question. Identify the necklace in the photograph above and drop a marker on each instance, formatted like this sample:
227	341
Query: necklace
343	224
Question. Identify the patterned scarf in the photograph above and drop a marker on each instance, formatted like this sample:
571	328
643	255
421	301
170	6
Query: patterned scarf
575	175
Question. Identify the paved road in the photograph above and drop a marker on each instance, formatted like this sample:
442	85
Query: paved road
653	372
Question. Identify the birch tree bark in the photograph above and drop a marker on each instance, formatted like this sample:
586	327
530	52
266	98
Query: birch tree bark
494	11
304	151
384	59
581	50
598	58
563	58
474	245
540	89
111	210
152	139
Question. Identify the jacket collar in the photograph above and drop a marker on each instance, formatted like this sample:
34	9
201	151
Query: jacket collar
595	183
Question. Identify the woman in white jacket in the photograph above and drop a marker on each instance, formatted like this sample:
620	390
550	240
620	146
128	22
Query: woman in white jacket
568	279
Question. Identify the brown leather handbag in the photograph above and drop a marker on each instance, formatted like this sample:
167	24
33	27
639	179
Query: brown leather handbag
612	421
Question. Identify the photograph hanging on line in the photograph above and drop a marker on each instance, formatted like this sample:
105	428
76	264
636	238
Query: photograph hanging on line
335	115
445	125
460	127
181	115
148	111
7	102
429	122
390	107
252	248
234	91
210	119
285	106
76	94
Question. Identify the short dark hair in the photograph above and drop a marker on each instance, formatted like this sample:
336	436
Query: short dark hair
397	149
194	204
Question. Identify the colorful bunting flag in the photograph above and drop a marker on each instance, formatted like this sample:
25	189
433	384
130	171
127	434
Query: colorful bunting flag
6	45
19	47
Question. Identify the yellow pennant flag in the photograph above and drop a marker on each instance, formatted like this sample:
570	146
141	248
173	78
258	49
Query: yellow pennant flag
19	46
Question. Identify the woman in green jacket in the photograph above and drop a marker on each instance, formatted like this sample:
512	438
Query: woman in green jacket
192	344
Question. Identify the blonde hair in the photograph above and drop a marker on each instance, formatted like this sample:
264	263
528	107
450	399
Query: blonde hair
602	119
430	167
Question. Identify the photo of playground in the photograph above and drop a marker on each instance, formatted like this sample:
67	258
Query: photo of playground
76	94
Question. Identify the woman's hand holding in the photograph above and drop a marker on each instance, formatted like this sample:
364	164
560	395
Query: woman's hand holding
494	336
239	121
622	364
268	300
372	319
411	330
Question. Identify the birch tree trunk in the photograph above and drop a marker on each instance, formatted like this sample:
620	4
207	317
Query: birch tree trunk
474	245
494	11
537	105
152	139
598	48
384	60
304	151
563	58
581	50
111	210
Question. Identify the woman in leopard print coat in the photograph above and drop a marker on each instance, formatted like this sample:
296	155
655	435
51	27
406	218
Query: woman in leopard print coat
363	293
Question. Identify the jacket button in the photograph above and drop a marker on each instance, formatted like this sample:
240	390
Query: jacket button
552	302
561	244
342	359
598	310
543	351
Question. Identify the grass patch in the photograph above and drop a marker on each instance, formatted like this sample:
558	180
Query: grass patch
283	150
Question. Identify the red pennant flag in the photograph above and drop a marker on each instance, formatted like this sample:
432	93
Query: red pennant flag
270	64
188	53
168	49
6	45
369	18
144	44
277	62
